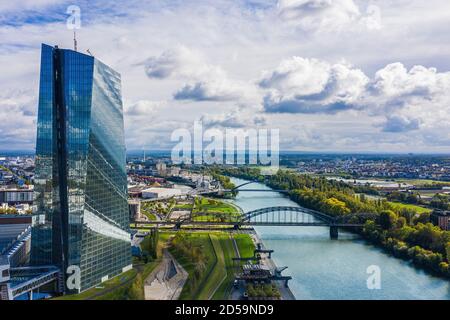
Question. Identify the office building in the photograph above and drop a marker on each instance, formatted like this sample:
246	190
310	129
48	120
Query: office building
81	214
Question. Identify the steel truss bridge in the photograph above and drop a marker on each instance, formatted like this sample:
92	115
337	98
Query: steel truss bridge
271	216
221	191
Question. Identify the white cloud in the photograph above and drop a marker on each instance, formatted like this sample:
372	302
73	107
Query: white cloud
11	6
143	108
396	123
240	117
205	82
410	99
327	15
300	85
17	119
179	61
407	99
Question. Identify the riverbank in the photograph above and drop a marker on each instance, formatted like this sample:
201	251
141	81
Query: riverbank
286	293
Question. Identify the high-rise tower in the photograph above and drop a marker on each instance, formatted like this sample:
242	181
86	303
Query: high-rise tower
81	213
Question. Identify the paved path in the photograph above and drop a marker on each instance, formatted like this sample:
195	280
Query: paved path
166	281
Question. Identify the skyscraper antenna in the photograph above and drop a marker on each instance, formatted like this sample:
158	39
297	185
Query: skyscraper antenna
74	40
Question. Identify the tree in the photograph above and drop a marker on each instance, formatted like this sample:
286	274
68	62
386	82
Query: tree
387	219
401	222
428	236
404	232
408	214
336	207
447	251
422	218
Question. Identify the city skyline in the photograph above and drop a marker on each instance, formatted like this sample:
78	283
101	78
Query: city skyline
250	64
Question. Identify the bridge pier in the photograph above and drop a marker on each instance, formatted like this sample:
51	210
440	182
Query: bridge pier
334	232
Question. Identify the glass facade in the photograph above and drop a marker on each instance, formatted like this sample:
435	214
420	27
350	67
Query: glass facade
81	211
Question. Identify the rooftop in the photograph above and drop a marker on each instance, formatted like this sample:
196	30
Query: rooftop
9	233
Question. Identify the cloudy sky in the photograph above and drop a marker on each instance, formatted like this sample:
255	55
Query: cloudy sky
331	75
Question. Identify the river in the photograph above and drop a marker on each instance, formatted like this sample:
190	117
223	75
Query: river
336	269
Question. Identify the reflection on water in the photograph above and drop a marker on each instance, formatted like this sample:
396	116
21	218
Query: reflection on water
326	269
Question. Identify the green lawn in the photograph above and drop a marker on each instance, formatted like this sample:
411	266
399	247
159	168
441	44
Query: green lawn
213	205
218	274
127	286
149	215
192	288
215	210
118	284
418	209
185	206
229	253
245	245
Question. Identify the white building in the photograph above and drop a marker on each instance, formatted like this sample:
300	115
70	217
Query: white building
160	193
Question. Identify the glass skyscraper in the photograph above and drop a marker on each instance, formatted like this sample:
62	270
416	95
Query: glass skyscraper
81	213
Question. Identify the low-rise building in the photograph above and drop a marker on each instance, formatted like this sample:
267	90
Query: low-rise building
441	219
16	195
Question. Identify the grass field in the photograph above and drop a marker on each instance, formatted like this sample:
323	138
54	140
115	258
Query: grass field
193	286
185	206
214	210
418	209
218	274
216	281
229	253
213	205
149	215
109	290
245	245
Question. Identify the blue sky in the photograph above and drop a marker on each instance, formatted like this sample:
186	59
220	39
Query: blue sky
344	75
